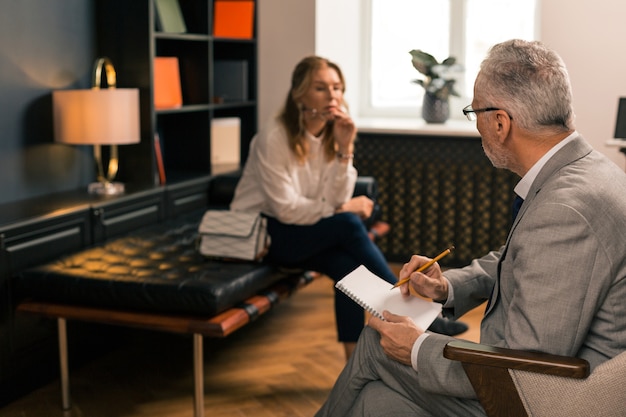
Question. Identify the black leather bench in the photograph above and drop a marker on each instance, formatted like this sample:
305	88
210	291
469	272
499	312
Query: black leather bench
158	269
155	278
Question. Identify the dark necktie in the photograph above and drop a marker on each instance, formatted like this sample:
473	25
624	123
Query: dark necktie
517	203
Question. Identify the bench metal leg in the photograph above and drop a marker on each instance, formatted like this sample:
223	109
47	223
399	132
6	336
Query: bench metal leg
63	361
198	369
198	375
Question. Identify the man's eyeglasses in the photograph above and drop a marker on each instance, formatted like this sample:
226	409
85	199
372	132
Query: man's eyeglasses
470	113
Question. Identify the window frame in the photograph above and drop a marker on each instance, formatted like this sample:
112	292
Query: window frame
457	47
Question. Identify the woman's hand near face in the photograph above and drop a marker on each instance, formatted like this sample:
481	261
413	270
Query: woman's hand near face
344	131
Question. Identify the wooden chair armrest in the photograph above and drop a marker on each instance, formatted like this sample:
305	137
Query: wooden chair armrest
487	369
564	366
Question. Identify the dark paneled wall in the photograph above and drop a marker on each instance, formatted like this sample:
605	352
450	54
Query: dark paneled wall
435	192
44	45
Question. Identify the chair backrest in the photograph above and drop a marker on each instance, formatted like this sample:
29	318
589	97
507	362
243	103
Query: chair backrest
601	394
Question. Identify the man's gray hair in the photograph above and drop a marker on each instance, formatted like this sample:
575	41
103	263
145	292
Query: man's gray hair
529	81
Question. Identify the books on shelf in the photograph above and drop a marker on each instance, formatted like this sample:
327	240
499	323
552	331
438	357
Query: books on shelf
375	295
230	81
158	154
233	19
167	89
225	144
169	17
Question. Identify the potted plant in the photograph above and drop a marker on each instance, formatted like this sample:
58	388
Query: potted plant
438	83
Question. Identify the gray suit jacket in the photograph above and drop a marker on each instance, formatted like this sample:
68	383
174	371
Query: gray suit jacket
559	282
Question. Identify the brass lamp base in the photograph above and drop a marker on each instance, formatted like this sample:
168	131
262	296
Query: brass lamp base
106	188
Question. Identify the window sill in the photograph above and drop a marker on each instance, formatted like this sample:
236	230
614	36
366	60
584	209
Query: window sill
454	127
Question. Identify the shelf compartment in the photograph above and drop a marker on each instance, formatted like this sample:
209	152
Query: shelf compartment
195	15
185	142
194	67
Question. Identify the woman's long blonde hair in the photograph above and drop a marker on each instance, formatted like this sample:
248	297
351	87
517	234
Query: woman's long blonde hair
292	116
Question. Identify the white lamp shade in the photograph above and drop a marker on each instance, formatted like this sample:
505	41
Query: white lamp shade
97	116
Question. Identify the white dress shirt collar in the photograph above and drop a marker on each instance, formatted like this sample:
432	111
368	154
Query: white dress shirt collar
522	187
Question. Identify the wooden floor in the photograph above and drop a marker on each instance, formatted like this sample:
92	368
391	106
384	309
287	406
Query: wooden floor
282	365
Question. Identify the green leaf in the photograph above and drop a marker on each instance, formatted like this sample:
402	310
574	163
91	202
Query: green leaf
449	61
422	61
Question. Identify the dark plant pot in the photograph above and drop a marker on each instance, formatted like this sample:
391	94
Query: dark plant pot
434	109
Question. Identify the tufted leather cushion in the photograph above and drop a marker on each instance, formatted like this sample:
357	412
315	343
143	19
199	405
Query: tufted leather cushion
157	269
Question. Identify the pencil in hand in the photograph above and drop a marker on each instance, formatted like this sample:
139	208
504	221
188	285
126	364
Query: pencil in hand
425	266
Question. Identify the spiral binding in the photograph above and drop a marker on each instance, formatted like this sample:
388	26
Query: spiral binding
359	301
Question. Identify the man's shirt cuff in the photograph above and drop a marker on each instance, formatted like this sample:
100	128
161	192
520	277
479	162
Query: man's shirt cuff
416	348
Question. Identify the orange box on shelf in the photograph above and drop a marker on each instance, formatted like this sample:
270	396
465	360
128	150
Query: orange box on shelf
167	90
233	19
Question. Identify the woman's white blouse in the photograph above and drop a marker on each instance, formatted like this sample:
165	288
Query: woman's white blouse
275	183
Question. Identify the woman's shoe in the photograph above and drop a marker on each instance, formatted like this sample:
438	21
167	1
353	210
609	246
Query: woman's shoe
378	230
448	327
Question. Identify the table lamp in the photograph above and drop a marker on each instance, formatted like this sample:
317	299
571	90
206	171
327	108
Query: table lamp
98	117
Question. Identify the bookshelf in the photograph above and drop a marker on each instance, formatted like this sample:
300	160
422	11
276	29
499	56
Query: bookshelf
131	34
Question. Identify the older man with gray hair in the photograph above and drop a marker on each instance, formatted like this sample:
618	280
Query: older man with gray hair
557	285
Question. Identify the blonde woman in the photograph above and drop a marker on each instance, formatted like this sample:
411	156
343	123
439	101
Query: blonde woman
300	175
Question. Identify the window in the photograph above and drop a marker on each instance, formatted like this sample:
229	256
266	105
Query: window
461	28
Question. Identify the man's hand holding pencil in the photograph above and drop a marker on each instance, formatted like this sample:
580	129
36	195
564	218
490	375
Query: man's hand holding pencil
425	277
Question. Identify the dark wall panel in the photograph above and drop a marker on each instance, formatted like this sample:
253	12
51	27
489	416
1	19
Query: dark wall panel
44	45
436	192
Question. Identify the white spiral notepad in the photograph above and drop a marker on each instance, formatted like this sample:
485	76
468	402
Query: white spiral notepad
374	294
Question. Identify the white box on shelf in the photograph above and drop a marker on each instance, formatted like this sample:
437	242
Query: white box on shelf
225	144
